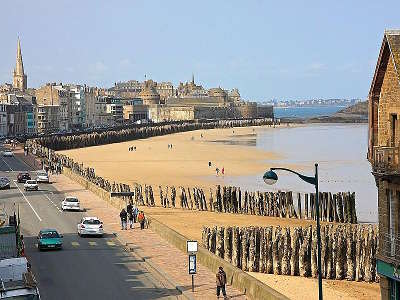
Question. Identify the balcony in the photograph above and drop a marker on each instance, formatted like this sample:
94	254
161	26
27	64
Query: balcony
386	160
390	246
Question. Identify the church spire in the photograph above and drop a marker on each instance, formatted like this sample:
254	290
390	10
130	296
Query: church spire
19	67
19	78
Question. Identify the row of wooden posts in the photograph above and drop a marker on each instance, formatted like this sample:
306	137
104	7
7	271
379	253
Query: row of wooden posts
337	207
348	251
133	132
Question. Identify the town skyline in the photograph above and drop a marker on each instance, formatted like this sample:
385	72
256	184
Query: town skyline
244	45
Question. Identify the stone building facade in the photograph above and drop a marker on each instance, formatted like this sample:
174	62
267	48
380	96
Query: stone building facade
383	153
53	94
47	118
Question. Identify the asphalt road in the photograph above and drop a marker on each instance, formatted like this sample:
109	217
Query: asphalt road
86	268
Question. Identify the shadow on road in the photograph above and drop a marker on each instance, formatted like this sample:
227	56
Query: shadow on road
92	268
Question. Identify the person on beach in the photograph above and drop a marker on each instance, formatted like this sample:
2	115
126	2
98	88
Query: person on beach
123	216
141	219
131	218
221	282
129	210
209	163
223	171
217	171
135	214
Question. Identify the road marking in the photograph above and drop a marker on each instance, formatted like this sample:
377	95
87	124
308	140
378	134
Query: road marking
55	205
7	164
75	244
27	201
109	243
92	243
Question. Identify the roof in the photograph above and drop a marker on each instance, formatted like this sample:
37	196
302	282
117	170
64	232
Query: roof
47	230
91	218
390	49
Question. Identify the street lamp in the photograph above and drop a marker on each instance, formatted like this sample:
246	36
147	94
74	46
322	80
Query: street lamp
270	177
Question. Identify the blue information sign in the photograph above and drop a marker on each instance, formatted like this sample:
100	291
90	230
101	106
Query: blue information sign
192	264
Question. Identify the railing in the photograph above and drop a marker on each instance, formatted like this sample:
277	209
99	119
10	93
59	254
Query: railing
386	159
390	246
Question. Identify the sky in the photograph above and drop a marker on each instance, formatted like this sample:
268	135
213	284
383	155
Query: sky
286	50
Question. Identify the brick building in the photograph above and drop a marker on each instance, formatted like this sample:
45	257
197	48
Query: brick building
383	153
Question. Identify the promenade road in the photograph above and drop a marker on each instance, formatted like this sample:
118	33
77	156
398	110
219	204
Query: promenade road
86	268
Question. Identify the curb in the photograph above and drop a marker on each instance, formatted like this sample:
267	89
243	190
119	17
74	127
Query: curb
154	267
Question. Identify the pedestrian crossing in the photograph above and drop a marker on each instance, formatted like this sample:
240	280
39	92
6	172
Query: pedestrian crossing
84	244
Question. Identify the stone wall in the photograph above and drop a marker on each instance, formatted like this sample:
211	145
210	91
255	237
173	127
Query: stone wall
347	251
265	111
389	104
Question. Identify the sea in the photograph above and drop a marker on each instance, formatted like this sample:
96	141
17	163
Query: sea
306	112
340	151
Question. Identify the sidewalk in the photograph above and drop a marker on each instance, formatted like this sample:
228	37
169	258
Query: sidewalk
164	257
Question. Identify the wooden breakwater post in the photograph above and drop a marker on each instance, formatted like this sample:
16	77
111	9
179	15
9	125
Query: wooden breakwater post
348	251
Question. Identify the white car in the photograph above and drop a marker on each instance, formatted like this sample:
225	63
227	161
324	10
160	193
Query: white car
8	153
70	203
42	177
90	226
31	185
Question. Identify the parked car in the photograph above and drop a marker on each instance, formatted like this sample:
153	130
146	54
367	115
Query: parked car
8	153
70	203
23	177
49	239
42	176
4	183
90	226
31	185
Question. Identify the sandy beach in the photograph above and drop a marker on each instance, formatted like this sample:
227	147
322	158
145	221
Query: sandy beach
185	164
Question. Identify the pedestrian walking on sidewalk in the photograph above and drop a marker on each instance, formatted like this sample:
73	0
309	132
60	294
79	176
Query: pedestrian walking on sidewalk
123	216
129	210
221	282
135	214
141	219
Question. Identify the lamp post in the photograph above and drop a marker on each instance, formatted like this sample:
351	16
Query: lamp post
270	177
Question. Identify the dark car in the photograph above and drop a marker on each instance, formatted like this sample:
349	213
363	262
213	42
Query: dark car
23	177
4	183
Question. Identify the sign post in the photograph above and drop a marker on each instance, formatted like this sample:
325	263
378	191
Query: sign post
192	250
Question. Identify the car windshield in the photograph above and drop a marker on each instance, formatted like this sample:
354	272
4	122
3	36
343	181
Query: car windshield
42	174
24	297
71	199
49	235
92	222
30	181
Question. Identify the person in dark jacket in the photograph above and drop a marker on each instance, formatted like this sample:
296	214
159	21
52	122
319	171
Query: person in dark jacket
129	210
221	282
123	215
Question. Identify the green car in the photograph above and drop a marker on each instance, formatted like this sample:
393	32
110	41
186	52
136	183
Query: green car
49	239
